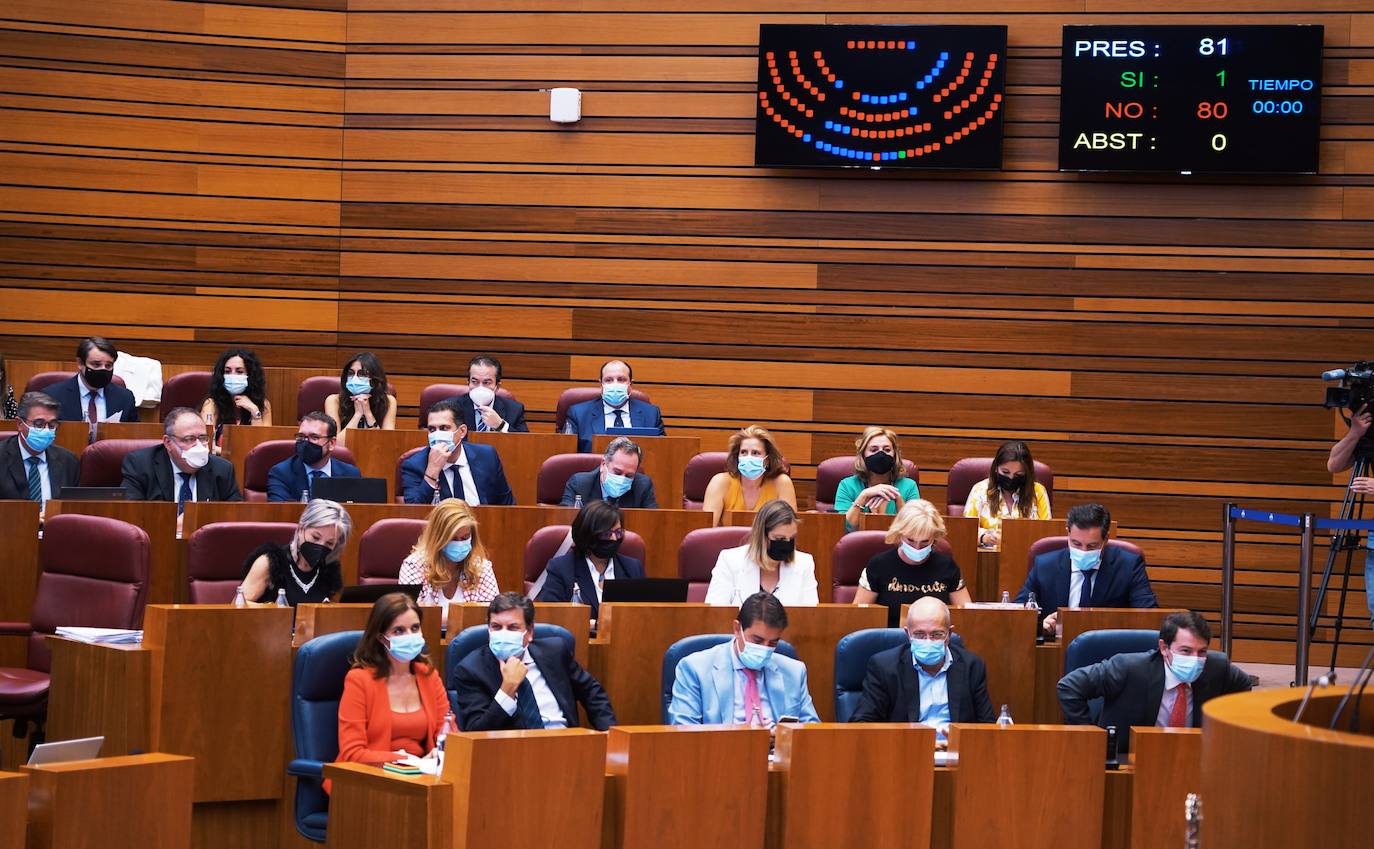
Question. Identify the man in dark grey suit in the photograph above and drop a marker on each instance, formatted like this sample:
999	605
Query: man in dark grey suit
185	453
31	467
1166	687
618	480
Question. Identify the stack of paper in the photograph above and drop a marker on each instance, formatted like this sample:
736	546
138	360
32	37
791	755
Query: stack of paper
117	636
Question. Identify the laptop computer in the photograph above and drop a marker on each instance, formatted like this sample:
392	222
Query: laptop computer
62	751
632	431
667	590
369	593
92	493
351	490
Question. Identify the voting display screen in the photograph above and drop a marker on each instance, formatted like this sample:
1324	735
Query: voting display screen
1191	99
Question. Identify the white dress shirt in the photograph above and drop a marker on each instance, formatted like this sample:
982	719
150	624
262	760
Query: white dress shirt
86	391
736	577
24	455
549	711
1076	585
460	465
609	574
1171	693
176	480
611	411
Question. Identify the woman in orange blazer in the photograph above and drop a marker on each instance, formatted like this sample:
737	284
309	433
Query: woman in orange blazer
394	702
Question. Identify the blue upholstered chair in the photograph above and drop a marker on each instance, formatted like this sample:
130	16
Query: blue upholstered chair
471	639
691	645
317	682
1096	646
851	663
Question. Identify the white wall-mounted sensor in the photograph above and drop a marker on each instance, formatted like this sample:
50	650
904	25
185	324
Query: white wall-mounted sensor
565	105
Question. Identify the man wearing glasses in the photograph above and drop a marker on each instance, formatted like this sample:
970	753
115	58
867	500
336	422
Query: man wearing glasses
294	478
928	680
31	467
181	468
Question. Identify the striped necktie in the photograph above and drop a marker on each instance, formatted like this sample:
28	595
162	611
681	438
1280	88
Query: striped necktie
35	482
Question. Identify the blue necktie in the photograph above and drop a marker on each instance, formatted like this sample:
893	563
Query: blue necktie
482	426
619	419
1086	596
315	474
35	482
184	494
527	706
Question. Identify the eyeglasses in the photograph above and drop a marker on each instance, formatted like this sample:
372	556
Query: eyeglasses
619	533
188	441
933	635
316	439
41	424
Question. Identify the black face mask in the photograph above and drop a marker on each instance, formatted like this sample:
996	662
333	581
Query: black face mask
309	452
880	463
782	550
1011	483
97	378
604	548
314	553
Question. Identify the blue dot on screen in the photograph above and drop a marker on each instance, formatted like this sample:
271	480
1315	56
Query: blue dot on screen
911	45
839	83
902	96
944	57
806	137
865	99
920	84
829	125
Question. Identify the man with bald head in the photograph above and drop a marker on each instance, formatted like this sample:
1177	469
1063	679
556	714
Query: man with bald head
614	411
927	680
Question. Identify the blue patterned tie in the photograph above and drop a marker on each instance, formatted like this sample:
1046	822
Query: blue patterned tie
527	706
315	474
35	482
184	494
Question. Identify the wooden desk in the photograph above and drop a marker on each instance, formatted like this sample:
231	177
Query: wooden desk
962	533
999	799
19	573
1167	766
686	787
129	802
817	535
370	807
100	690
1005	640
827	773
239	440
665	458
814	632
14	809
1018	535
128	430
167	556
1049	657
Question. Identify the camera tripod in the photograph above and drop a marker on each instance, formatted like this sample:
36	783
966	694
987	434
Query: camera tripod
1347	541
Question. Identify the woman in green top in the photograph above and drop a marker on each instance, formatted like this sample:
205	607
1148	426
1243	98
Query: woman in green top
879	483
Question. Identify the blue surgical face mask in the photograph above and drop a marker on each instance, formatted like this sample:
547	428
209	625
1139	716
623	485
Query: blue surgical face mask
928	652
1084	560
458	550
235	384
441	437
39	440
614	393
1186	669
406	647
752	467
755	656
914	554
357	385
506	644
614	486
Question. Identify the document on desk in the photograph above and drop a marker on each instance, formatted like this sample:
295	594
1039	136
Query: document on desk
429	766
114	418
113	636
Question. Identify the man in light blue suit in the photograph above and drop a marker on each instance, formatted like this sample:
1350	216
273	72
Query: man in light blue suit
614	409
743	682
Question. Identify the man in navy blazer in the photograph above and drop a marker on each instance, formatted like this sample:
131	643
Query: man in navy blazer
615	408
1088	573
315	440
180	469
901	687
451	468
504	415
518	682
619	480
94	382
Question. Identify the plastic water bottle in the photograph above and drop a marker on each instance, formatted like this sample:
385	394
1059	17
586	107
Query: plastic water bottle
448	726
1031	603
1004	718
1006	597
281	598
305	496
577	593
577	501
239	600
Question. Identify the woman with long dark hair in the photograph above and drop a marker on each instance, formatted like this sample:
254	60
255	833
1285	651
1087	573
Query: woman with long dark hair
362	400
238	393
1010	491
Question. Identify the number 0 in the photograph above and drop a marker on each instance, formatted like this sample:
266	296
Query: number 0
1219	142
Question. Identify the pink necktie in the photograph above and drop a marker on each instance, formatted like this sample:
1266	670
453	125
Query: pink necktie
753	705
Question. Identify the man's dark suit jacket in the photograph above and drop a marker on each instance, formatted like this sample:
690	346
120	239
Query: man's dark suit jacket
478	677
63	469
484	464
589	418
510	410
892	692
72	408
287	480
1120	581
588	485
1131	687
568	568
148	477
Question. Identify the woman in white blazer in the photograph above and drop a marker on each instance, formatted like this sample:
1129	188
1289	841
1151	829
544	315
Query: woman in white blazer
768	563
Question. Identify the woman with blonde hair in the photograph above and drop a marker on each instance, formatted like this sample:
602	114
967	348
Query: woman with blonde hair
307	568
769	563
754	474
449	561
914	569
879	483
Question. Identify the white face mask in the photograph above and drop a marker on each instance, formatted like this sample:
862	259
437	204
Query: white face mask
196	456
481	396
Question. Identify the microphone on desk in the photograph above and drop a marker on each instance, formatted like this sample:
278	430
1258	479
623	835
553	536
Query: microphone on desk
1323	681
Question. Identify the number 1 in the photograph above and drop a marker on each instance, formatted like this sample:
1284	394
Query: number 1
1221	78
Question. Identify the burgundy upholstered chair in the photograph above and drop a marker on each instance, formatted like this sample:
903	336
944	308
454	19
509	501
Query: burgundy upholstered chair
187	389
966	473
697	554
555	471
102	462
384	546
217	553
